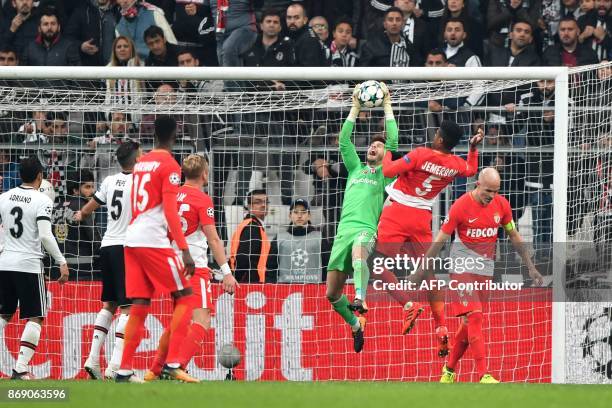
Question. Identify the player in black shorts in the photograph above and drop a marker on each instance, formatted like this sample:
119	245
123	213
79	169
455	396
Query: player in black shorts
114	193
25	214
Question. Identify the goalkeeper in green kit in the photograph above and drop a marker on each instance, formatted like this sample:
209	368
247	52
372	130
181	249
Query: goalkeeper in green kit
361	208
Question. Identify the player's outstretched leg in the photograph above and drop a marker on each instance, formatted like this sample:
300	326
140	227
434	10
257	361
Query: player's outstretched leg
115	360
29	341
101	326
340	303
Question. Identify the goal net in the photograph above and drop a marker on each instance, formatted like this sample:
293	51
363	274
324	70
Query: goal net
280	135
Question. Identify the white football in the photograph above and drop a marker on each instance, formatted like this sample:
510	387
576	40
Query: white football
370	94
229	356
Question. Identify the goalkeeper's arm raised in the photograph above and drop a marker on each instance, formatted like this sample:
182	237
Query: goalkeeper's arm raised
390	126
347	148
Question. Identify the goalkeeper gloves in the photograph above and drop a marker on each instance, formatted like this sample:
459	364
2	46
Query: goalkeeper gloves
356	105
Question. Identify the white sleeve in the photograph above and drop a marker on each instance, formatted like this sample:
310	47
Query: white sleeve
161	22
100	195
49	242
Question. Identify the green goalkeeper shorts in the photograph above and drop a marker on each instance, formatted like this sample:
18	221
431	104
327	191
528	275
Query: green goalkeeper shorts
341	258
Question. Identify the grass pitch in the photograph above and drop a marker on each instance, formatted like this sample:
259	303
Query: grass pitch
166	394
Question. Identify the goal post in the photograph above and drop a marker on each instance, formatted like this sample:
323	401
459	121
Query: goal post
292	322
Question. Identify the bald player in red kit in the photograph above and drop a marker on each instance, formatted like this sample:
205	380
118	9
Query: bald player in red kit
475	218
421	175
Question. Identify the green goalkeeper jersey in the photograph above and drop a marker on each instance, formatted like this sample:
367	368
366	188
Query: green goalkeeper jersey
365	186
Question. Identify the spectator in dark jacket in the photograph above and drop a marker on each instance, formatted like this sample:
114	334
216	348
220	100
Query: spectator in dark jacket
415	28
50	48
92	25
194	29
501	15
309	51
250	246
520	51
19	27
83	238
390	48
161	52
460	55
594	29
270	50
474	31
569	52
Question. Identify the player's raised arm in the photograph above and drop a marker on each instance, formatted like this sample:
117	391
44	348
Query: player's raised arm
393	168
472	159
92	205
86	211
392	132
347	148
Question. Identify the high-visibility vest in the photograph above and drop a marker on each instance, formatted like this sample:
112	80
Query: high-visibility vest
265	248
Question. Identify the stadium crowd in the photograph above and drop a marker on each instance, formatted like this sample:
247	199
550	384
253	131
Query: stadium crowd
280	33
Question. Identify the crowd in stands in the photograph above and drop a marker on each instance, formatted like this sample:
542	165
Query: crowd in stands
292	34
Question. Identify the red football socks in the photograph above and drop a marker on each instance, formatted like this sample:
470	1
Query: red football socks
181	317
461	344
476	341
193	343
162	353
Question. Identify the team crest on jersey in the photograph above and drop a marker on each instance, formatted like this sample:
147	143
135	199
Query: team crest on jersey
49	210
370	170
175	179
279	56
210	212
496	218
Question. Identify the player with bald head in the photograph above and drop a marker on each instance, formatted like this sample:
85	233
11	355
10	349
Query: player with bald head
475	218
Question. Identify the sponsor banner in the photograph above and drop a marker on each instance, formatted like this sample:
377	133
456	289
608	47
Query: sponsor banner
290	332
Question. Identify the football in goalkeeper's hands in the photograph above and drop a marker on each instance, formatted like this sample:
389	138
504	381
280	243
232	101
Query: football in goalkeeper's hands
370	94
229	356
